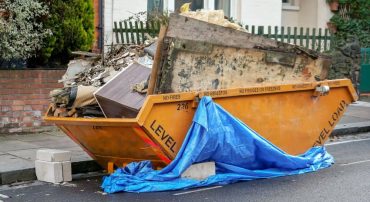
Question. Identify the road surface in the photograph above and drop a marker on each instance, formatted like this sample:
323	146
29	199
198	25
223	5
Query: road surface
347	180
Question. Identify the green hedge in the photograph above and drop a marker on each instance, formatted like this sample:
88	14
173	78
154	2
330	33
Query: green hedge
72	25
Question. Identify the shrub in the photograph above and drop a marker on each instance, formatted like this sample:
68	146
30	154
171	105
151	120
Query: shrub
352	19
72	24
21	32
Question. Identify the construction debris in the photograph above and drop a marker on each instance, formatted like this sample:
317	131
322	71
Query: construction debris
198	56
214	16
197	51
85	76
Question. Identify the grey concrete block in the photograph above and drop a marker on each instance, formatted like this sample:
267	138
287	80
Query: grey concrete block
53	155
200	171
49	171
67	171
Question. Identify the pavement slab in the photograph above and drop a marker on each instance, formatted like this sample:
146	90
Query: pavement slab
352	119
55	143
28	154
33	137
13	145
361	112
10	163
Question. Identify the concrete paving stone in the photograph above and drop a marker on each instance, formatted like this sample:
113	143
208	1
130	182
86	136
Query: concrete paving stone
29	137
56	133
47	138
11	163
78	156
28	154
57	143
361	104
73	149
360	112
351	119
13	145
4	138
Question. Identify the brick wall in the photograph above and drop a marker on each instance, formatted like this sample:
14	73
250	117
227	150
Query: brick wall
24	98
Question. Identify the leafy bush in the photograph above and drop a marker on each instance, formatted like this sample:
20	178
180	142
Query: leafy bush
21	32
72	24
352	19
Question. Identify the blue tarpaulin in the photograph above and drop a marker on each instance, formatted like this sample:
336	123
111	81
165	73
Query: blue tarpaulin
215	135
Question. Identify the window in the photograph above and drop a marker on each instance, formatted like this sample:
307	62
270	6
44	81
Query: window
290	5
223	5
155	7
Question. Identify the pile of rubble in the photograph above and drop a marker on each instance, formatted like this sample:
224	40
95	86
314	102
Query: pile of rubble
85	76
197	51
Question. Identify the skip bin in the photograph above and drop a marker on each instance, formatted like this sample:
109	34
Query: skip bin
294	117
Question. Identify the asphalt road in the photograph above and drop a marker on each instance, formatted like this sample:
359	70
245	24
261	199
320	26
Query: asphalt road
347	180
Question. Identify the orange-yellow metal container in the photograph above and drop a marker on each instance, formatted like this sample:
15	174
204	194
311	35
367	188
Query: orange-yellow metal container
294	117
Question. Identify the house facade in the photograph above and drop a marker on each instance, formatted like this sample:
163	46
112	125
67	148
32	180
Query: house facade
294	13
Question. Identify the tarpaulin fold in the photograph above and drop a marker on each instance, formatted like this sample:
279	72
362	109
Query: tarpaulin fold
215	135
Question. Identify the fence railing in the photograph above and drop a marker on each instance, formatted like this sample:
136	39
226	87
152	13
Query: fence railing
134	32
311	38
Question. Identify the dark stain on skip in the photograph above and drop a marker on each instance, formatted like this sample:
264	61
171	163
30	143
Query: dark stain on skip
215	84
184	74
218	70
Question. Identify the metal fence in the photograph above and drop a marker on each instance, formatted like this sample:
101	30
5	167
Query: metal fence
133	32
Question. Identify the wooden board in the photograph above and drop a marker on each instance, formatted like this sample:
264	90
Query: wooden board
117	99
156	62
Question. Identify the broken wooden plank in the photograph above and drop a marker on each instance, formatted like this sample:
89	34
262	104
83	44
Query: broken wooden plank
157	60
85	53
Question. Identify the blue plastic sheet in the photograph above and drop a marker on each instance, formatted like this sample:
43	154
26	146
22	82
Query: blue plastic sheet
215	135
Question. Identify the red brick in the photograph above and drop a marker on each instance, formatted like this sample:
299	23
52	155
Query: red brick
17	108
18	102
16	114
27	108
27	119
6	102
37	107
5	108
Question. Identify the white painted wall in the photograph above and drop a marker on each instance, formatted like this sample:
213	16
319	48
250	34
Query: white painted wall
261	12
309	13
251	12
117	10
323	14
